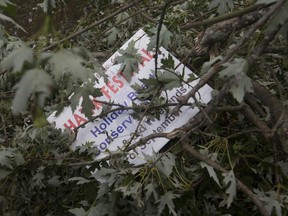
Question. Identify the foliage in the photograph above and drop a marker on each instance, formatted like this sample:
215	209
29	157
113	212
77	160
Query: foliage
236	143
129	60
242	83
222	6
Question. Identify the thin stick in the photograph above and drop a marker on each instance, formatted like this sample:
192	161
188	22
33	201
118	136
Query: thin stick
120	10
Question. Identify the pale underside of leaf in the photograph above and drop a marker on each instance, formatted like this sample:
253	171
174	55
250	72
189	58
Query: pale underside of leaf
35	82
17	59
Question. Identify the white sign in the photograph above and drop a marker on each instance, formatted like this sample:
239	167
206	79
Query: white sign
114	130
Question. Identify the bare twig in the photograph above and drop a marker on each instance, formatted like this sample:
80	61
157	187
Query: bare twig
148	18
142	117
248	113
196	154
158	36
141	142
230	53
252	101
264	43
229	108
278	113
99	54
244	132
193	124
120	10
161	6
121	107
4	127
228	16
277	50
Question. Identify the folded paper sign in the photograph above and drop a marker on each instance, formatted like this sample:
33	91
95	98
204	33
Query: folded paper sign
112	132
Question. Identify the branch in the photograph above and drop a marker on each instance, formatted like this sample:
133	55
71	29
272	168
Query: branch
248	113
161	6
221	18
99	54
193	124
140	142
120	10
230	53
278	50
260	48
229	108
138	108
221	31
142	117
158	36
147	17
278	112
21	197
196	154
252	101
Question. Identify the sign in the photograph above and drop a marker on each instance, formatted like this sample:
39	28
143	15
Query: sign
113	131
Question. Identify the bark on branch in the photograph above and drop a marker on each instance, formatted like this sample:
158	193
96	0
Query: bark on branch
196	154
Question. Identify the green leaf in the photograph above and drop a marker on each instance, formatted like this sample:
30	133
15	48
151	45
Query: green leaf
133	189
35	83
223	6
8	19
164	37
167	199
101	209
283	166
39	117
168	62
4	173
191	77
5	156
80	180
4	3
211	172
230	181
150	189
235	68
207	65
123	16
104	173
166	164
242	83
103	189
129	60
67	63
151	82
112	35
54	181
84	92
17	59
19	159
169	80
271	201
146	93
78	211
88	149
37	180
